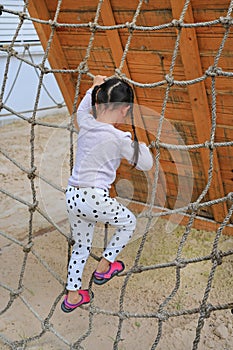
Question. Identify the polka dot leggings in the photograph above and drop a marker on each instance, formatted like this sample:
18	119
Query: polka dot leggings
86	207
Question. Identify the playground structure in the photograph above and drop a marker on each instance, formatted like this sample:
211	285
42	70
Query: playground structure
177	55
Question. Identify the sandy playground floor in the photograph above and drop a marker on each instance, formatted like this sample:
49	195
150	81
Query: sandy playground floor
144	292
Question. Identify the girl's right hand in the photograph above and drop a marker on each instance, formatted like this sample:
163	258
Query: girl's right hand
98	80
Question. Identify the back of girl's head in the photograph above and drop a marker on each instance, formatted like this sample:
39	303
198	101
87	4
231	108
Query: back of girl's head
113	92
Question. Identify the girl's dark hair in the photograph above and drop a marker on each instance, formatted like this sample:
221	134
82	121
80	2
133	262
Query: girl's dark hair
116	91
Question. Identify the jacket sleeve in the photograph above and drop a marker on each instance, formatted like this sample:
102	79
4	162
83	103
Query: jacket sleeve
84	107
145	159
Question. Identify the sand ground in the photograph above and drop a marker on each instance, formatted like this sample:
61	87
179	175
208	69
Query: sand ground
144	292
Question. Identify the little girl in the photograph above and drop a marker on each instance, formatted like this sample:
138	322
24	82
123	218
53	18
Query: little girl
100	148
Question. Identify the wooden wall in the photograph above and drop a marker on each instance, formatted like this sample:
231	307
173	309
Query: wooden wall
189	108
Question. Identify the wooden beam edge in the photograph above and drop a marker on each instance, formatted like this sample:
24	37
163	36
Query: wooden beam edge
57	60
117	53
183	219
199	103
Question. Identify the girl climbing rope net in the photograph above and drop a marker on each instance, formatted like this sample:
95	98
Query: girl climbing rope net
100	148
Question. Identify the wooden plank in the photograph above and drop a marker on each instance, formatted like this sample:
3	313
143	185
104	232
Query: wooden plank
201	14
76	17
199	223
153	41
130	5
223	85
117	53
151	58
210	40
38	9
228	176
225	61
147	17
74	5
213	4
160	43
80	39
113	37
198	100
228	186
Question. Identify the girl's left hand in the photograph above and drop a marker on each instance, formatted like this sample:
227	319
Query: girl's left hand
98	80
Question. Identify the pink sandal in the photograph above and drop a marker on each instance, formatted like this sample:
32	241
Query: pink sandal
114	269
67	307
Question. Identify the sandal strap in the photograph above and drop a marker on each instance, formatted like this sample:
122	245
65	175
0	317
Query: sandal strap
116	266
85	298
85	295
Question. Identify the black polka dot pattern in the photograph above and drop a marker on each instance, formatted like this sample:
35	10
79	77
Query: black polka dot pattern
85	207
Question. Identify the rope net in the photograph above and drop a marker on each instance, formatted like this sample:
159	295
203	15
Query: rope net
16	297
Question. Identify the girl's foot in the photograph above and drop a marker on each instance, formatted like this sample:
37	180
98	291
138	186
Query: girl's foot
73	297
114	269
103	266
83	296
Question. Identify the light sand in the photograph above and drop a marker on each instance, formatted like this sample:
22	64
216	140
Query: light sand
144	292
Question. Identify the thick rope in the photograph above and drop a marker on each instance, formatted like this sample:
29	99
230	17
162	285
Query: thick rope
216	257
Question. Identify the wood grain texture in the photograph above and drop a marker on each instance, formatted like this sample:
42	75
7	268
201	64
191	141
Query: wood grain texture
189	108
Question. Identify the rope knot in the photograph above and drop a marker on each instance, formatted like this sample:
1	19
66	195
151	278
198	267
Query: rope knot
163	316
43	69
22	15
123	315
177	23
46	325
31	175
226	21
230	196
119	74
219	70
32	207
209	145
130	26
83	68
26	46
155	144
15	293
93	26
137	269
169	79
70	241
27	248
52	23
212	71
205	311
217	256
31	121
46	70
193	207
180	263
11	51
